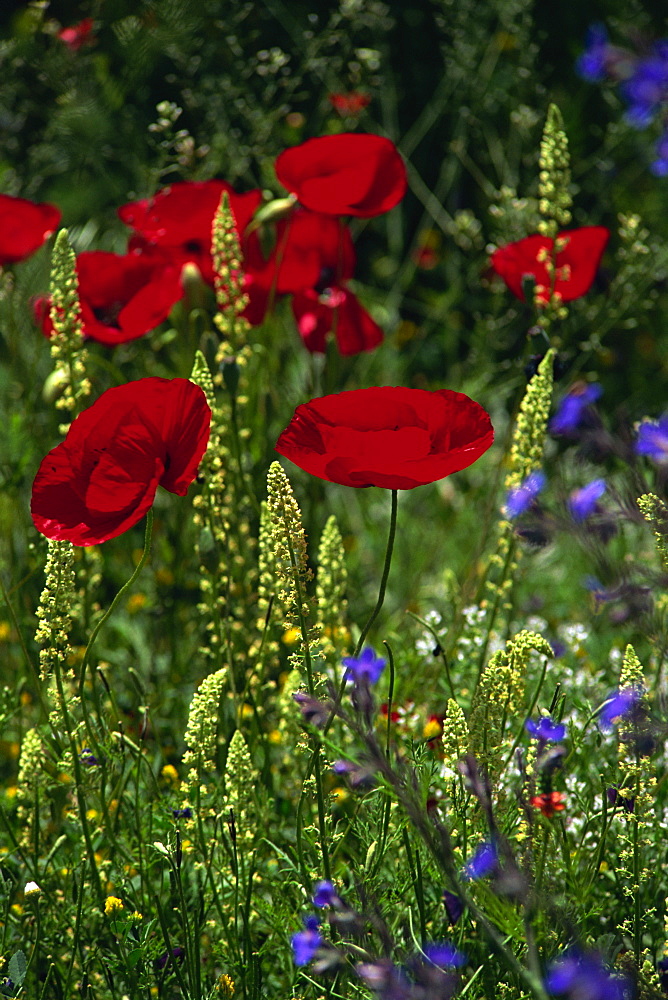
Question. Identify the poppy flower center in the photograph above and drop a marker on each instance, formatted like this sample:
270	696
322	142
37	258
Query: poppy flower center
193	247
108	313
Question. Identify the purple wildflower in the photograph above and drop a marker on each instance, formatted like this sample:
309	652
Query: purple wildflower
577	976
660	166
653	439
185	813
484	861
315	712
592	64
367	667
454	907
617	706
582	502
161	960
617	798
88	758
571	411
445	954
647	88
545	729
387	980
306	943
325	894
520	499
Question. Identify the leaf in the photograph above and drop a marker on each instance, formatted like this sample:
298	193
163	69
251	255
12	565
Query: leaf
17	968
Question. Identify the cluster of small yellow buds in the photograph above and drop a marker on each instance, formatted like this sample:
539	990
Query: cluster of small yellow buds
655	513
499	698
555	175
526	453
56	609
331	585
67	350
202	728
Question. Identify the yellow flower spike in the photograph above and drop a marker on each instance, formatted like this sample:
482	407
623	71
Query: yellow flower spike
112	905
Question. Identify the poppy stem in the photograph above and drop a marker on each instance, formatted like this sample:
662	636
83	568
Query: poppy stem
126	586
383	580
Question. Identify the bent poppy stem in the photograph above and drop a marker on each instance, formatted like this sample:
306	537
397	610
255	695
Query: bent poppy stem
383	580
126	586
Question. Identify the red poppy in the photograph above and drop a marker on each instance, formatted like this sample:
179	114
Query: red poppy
24	225
349	105
310	250
387	436
335	310
345	174
122	297
78	34
549	803
179	219
579	253
102	478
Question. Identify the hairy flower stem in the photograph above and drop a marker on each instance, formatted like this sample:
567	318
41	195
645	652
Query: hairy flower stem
383	580
317	746
114	603
436	838
81	802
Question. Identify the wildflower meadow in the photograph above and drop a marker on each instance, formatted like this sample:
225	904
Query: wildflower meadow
333	519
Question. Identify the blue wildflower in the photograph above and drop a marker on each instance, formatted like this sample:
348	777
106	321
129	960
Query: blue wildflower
185	813
660	166
582	503
483	862
647	88
454	907
306	943
545	729
571	410
367	667
521	498
617	706
88	758
653	439
445	954
577	975
592	64
325	894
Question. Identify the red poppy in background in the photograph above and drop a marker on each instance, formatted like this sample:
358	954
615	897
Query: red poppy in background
345	174
549	803
77	35
351	104
388	436
178	219
311	251
103	477
335	310
576	264
122	296
24	226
